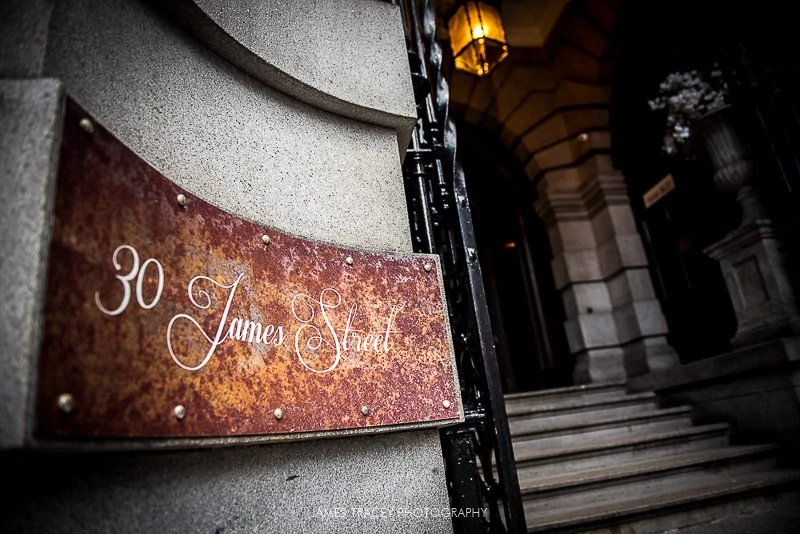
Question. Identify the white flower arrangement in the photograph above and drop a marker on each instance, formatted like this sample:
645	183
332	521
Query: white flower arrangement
687	96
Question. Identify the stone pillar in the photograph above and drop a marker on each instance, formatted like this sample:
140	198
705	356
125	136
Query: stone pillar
615	327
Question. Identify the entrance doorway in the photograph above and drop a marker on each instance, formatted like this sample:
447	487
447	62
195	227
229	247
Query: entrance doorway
524	305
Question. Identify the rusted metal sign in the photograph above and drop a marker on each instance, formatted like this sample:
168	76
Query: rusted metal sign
664	187
166	317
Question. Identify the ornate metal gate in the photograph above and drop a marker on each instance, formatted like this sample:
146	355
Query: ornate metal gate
478	456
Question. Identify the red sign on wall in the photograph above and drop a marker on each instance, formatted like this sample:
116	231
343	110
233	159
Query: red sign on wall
167	317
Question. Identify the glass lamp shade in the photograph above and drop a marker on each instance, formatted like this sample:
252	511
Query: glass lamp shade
477	38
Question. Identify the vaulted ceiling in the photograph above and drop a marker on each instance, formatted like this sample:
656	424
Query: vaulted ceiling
548	103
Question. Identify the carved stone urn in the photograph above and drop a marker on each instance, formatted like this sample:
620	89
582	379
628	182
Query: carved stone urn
730	151
754	258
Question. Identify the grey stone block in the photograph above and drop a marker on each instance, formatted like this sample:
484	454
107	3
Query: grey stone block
613	220
639	318
224	136
571	235
316	52
757	263
603	226
30	112
762	405
630	285
649	354
587	297
598	329
582	265
622	218
23	37
363	484
746	360
620	252
755	388
599	365
591	331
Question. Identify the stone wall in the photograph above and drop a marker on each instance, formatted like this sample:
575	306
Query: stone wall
289	132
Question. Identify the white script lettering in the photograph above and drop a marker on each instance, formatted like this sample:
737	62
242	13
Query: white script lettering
126	282
305	315
238	329
318	345
309	338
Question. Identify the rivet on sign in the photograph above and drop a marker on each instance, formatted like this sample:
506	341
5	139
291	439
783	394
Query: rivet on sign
181	200
446	403
278	414
265	239
66	402
365	410
582	138
87	126
427	267
179	411
349	260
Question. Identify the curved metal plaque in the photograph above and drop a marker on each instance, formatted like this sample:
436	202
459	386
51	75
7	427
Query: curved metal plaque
168	317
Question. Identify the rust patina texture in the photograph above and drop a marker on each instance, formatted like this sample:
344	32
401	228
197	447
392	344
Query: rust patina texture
198	309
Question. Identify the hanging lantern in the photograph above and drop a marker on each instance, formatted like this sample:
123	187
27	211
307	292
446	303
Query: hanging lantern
477	38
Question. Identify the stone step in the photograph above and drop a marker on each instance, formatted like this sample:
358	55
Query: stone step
585	391
558	434
538	461
532	423
588	421
635	479
577	404
668	510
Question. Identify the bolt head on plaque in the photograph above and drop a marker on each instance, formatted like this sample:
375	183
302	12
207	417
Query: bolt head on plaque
278	413
66	402
87	126
583	137
446	403
179	411
181	199
349	260
427	267
265	239
365	410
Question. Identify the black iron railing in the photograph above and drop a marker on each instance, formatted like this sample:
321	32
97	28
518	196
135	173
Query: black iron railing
478	456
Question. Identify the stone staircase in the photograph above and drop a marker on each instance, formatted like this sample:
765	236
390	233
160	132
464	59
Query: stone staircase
595	459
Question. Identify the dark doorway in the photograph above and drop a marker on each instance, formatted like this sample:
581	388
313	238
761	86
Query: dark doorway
525	308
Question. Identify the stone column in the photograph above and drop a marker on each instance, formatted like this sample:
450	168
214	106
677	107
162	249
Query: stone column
615	327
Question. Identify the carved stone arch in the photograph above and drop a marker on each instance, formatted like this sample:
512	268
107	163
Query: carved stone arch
550	107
